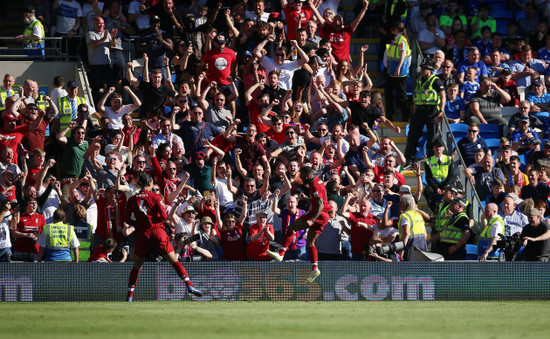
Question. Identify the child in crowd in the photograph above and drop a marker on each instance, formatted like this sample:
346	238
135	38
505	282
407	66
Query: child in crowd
470	86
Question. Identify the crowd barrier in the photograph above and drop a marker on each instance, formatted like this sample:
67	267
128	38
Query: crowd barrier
269	281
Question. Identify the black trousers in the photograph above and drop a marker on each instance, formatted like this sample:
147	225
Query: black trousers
398	84
423	116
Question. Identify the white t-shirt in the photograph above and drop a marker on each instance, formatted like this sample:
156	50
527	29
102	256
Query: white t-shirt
429	38
5	241
142	21
116	118
67	13
51	205
252	15
57	93
225	196
286	70
89	14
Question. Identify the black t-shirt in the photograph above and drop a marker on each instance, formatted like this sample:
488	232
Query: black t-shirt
360	115
536	249
154	96
539	192
275	93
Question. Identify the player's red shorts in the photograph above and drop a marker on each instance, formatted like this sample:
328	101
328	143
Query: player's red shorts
153	237
319	223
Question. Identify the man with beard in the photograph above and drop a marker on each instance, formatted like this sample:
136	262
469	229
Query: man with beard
33	35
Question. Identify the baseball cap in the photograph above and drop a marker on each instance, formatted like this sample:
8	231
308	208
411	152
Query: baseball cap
10	117
320	61
506	71
200	155
154	18
220	39
405	189
524	118
28	9
72	84
537	82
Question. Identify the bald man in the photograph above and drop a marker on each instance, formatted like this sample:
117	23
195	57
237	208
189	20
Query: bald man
493	227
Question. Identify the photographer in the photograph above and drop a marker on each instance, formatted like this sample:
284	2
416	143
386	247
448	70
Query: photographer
183	247
371	254
455	234
536	238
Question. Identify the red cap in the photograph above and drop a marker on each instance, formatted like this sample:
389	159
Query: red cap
10	117
200	155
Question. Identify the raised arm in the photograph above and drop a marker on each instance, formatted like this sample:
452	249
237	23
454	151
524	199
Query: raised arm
359	16
103	100
130	75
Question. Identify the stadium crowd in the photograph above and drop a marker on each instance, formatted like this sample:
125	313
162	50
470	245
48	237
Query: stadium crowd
235	100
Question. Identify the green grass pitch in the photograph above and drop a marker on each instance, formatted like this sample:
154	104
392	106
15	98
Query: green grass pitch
416	319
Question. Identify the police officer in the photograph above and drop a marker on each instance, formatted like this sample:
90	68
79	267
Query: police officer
57	240
439	172
456	232
33	35
429	104
398	54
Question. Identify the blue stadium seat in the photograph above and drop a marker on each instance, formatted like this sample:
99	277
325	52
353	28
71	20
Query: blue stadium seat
489	131
471	252
500	12
493	144
520	14
541	115
522	158
459	131
502	26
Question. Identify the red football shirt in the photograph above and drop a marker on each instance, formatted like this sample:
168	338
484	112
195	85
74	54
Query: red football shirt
219	64
359	236
29	223
256	250
317	190
146	210
114	214
233	244
339	41
293	17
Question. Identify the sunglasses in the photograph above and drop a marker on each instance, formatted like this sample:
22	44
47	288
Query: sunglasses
141	162
280	54
473	131
290	133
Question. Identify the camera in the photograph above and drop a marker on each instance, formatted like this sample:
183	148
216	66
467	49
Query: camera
186	239
509	246
394	247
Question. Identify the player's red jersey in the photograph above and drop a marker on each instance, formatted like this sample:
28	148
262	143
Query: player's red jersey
145	210
317	190
29	223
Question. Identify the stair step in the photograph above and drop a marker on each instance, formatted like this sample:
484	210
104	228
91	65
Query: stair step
401	124
400	140
362	41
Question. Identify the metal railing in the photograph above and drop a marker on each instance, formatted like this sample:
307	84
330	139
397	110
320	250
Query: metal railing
470	192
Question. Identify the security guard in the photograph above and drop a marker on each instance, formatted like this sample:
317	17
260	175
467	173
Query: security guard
412	229
489	236
429	104
456	232
68	105
442	214
398	54
57	240
33	35
439	171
